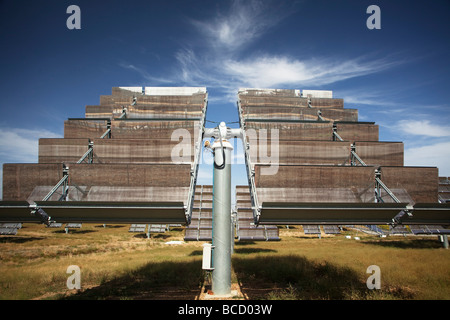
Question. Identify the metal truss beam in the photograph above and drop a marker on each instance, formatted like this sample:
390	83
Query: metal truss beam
335	134
63	182
354	213
380	185
319	116
249	168
354	156
89	154
271	213
107	133
92	212
196	164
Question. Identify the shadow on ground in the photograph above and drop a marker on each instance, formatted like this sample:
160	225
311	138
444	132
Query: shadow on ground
19	239
292	277
75	231
408	243
154	281
252	250
110	226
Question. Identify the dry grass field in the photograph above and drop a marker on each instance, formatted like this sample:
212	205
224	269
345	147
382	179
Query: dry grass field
117	264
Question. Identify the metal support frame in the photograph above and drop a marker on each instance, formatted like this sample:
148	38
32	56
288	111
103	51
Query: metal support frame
256	208
406	213
89	154
107	133
335	134
319	116
64	183
124	113
195	165
380	185
101	212
354	156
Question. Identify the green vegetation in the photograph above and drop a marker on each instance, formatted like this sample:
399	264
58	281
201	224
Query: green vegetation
116	264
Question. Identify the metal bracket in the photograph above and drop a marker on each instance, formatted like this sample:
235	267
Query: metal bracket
63	182
89	154
380	185
248	165
335	134
354	156
108	131
124	113
319	116
41	214
398	220
195	165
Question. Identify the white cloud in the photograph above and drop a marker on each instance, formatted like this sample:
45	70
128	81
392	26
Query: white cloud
266	71
145	75
245	21
21	145
371	97
423	128
437	155
191	70
273	71
205	175
217	63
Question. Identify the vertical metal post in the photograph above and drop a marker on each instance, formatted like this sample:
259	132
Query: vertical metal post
65	186
91	154
352	155
378	198
221	276
445	241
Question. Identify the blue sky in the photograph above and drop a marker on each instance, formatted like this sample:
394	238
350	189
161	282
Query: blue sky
397	76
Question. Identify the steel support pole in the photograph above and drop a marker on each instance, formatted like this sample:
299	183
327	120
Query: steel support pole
221	275
445	241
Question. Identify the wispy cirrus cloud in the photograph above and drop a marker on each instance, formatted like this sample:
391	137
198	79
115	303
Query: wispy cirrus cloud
21	145
220	63
269	71
242	23
272	71
433	154
423	128
144	73
426	143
